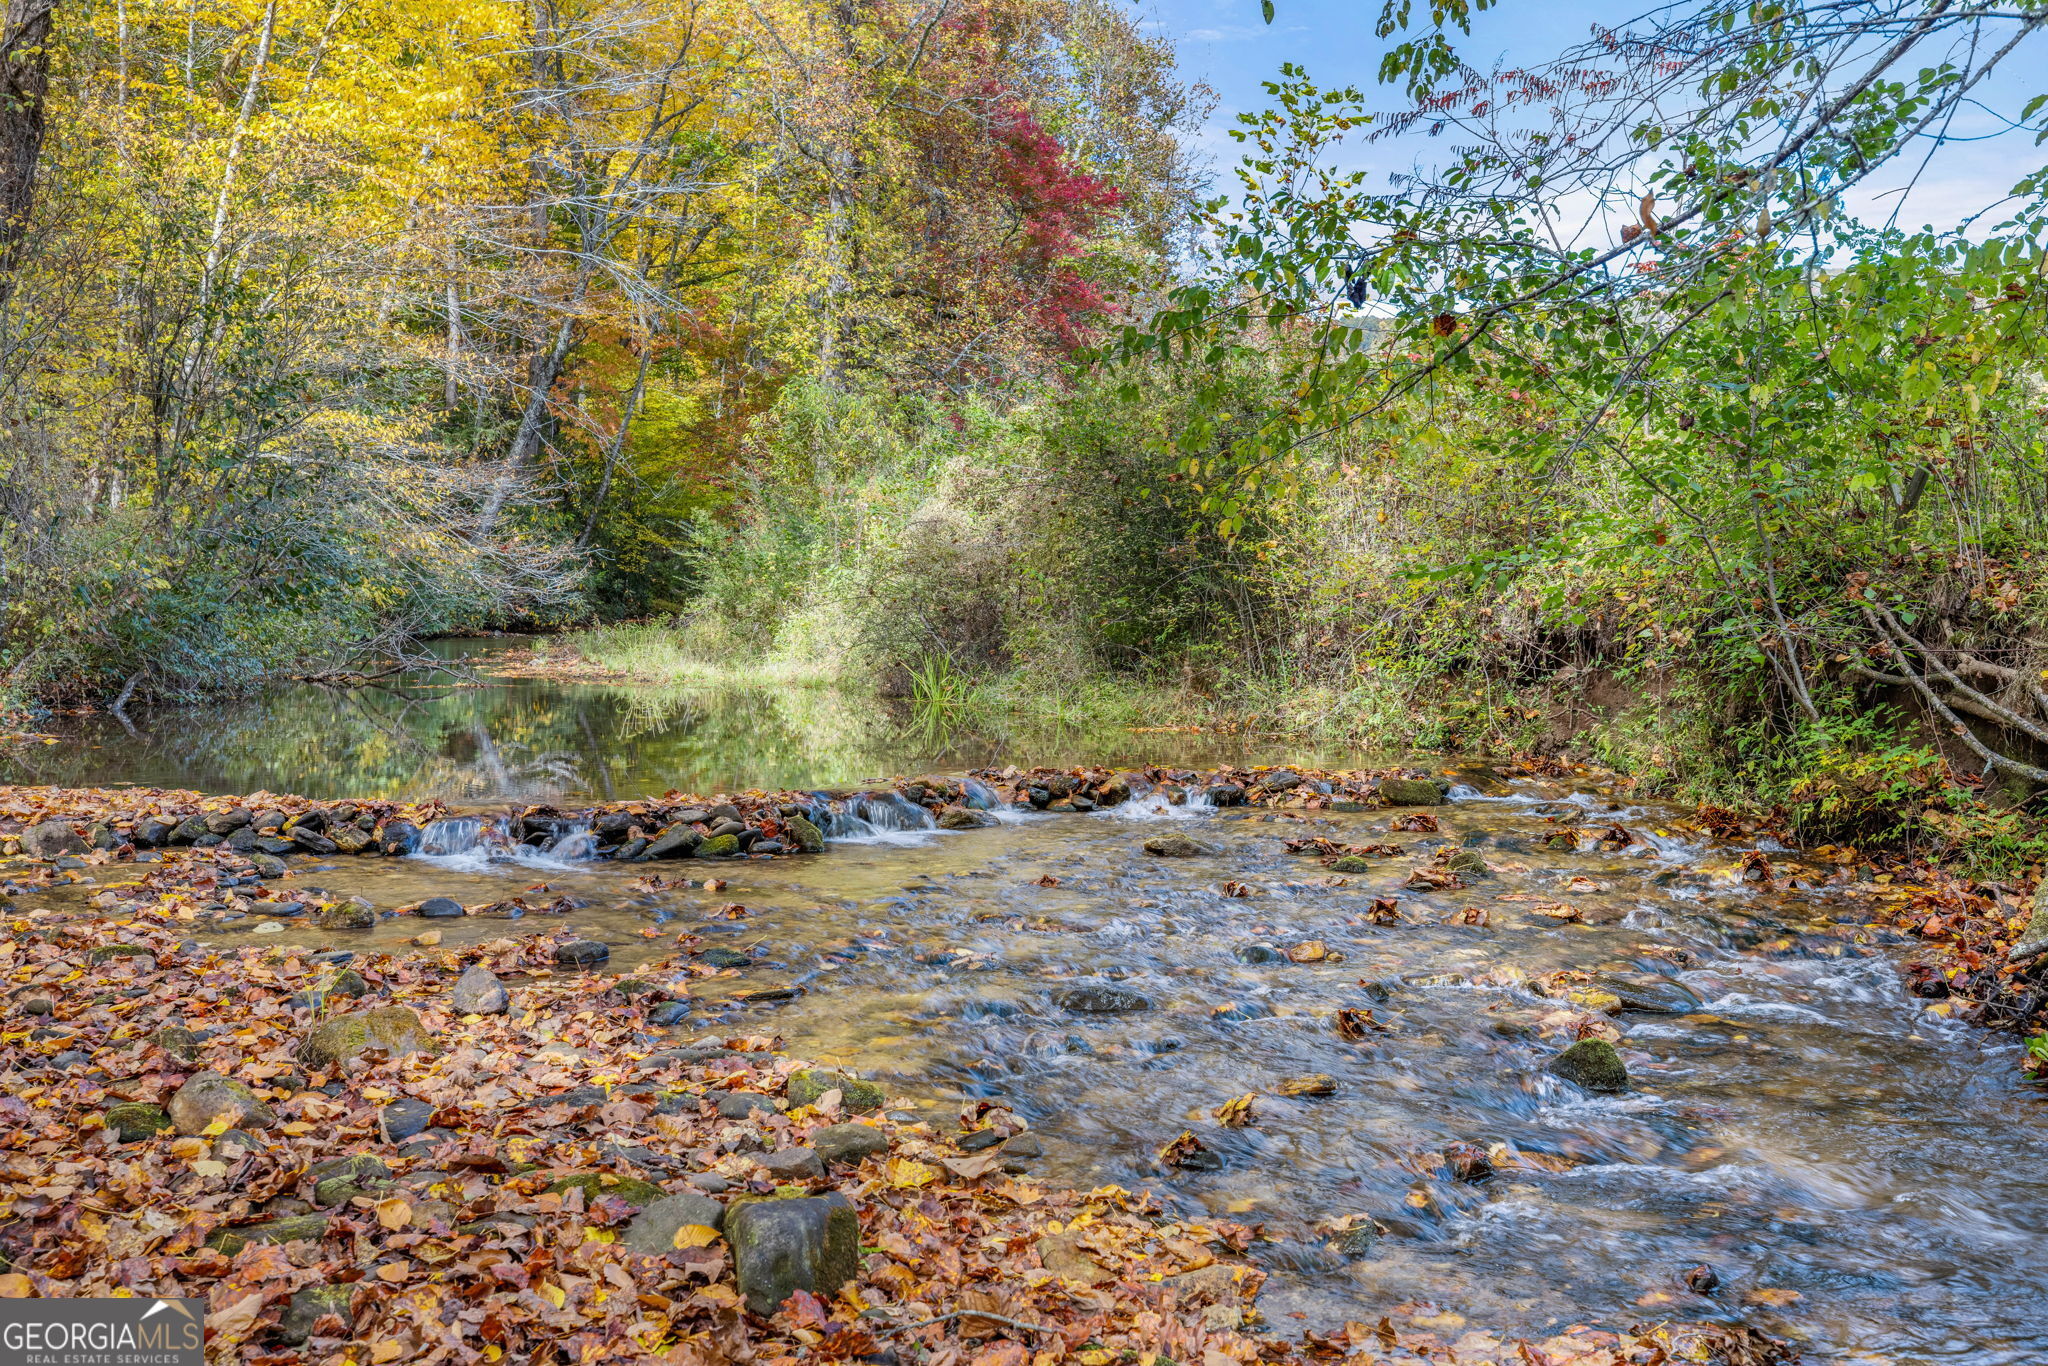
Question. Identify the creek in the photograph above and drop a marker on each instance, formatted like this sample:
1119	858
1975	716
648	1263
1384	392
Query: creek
1863	1175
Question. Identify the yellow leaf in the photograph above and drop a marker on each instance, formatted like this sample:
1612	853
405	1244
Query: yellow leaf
296	1128
15	1286
386	1350
394	1213
209	1168
904	1174
695	1235
552	1293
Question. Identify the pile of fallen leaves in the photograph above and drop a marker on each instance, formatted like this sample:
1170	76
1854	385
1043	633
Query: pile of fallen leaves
1085	789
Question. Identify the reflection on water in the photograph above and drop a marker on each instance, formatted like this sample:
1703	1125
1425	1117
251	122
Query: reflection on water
1862	1176
536	740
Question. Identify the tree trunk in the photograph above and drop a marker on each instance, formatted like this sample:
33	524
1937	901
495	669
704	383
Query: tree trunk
24	84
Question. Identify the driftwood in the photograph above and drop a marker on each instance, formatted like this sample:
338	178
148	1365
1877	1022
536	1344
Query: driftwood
1958	695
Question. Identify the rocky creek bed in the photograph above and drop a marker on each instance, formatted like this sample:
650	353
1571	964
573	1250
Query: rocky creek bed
1391	1082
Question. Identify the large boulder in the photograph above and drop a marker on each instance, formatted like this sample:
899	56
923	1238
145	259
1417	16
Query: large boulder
51	839
654	1231
1592	1065
394	1030
210	1101
796	1243
801	834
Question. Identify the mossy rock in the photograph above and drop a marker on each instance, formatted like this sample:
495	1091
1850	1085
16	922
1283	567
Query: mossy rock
107	951
132	1121
1174	845
719	846
1352	863
1591	1064
635	1192
790	1243
1468	863
802	835
208	1099
1410	792
389	1029
309	1306
855	1096
301	1228
178	1041
349	915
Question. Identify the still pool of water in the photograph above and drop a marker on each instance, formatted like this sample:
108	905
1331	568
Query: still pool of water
1864	1177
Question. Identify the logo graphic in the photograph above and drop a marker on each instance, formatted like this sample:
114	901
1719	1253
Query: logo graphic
130	1332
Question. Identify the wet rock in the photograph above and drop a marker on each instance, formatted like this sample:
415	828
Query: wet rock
669	1013
719	846
479	992
1468	863
1411	792
277	846
1114	790
307	1307
267	865
303	1227
149	832
1592	1065
340	1180
1173	845
798	1243
1357	1241
208	1098
178	1041
849	1142
395	1030
404	1118
349	915
582	953
347	839
188	830
652	1232
439	908
725	958
741	1104
793	1164
801	834
1468	1162
1100	998
133	952
227	822
631	1189
133	1121
677	841
856	1097
1649	993
960	818
312	841
51	839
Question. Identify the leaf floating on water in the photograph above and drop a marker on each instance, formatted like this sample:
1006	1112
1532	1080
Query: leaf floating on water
1775	1298
1415	823
1236	1114
1237	889
1359	1025
1384	911
1185	1151
1047	880
1558	910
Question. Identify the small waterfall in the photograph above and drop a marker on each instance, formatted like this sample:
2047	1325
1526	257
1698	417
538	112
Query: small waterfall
980	796
877	818
475	843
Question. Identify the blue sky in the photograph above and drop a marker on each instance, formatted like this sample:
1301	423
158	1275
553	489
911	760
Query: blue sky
1225	43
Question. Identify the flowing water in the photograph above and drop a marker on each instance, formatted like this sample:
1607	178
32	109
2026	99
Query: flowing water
1864	1176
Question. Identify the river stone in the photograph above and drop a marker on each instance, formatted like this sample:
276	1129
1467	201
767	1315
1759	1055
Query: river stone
178	1041
582	953
856	1097
276	846
653	1230
207	1098
960	818
1650	993
312	841
227	822
1097	998
1411	792
350	840
479	992
390	1029
398	837
306	1226
107	951
740	1104
1592	1064
795	1243
1260	953
1468	863
669	1013
150	831
677	841
631	1189
793	1164
349	915
849	1142
1174	845
719	846
312	1304
266	865
133	1121
51	839
722	957
405	1117
804	835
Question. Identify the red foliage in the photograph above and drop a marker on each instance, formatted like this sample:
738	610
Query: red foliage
1061	205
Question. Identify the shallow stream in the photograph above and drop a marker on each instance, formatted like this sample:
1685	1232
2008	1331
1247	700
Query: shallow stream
1862	1175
